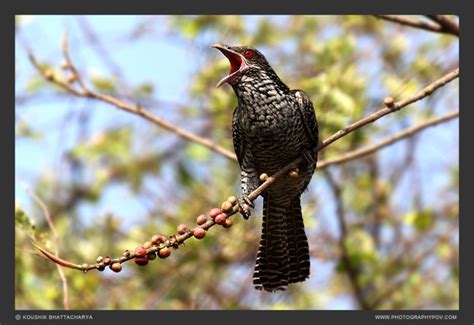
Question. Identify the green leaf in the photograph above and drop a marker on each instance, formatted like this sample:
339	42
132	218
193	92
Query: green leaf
185	177
23	221
35	84
343	100
146	89
103	84
189	28
197	152
443	250
24	130
421	220
360	247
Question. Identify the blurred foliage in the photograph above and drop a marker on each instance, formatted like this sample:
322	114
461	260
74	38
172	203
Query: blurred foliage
401	219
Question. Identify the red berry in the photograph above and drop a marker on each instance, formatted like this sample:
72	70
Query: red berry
116	267
141	260
214	212
200	220
155	239
199	233
228	223
164	252
220	219
181	229
140	251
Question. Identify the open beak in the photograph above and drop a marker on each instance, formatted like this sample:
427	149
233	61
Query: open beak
236	60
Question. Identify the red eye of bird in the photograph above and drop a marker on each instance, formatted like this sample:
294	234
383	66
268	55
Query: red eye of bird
248	54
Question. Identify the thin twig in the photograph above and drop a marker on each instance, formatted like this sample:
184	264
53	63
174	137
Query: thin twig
103	53
357	125
86	92
387	141
396	107
449	25
417	23
50	223
352	271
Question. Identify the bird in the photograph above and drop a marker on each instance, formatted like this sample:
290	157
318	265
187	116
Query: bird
272	125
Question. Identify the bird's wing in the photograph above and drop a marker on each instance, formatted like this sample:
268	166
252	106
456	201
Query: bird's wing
306	109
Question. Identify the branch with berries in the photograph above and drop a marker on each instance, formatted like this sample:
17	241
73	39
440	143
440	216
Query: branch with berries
161	246
158	245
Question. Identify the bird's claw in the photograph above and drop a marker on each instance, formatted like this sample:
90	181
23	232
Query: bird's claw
245	206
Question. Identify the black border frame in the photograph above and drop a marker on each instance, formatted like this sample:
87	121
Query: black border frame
465	315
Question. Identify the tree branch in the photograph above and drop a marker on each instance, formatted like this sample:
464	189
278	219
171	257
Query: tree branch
137	110
172	241
417	23
428	90
448	25
352	270
84	91
354	154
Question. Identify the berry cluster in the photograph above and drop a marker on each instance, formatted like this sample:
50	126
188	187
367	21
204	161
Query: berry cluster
160	245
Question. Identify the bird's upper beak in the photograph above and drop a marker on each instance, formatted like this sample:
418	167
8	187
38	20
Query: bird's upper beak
236	60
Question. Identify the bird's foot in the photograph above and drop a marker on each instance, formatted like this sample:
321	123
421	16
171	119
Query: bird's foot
245	206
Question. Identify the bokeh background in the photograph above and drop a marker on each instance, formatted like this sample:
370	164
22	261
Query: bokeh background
110	179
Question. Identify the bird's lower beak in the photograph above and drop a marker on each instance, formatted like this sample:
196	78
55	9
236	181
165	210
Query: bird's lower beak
236	60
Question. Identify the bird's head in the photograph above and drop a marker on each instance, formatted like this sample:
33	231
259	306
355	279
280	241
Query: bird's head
242	59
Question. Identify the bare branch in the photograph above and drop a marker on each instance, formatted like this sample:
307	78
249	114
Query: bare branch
84	91
103	53
448	25
388	141
417	23
172	241
352	271
357	125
